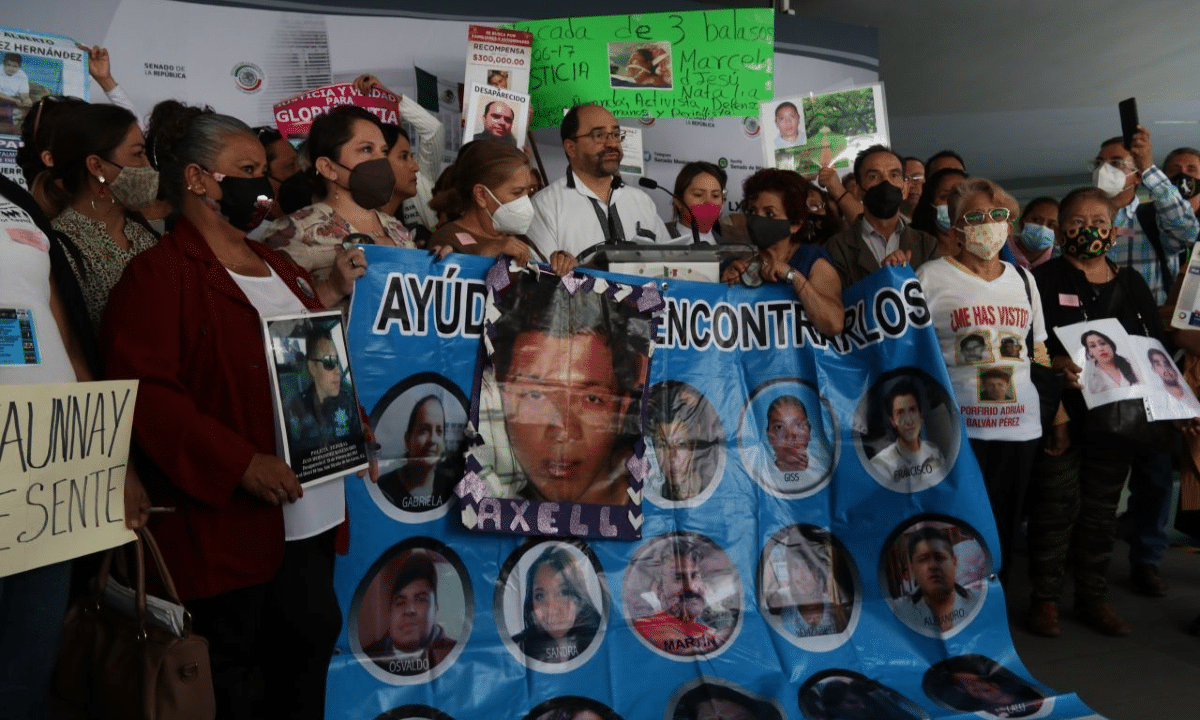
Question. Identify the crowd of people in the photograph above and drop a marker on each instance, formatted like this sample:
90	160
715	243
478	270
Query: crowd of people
161	247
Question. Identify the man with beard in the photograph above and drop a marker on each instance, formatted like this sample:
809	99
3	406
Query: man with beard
592	205
880	236
939	602
679	627
497	122
414	643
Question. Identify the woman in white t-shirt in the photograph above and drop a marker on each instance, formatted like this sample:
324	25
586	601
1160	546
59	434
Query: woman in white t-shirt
988	317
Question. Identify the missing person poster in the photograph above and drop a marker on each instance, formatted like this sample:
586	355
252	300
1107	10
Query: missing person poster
295	115
797	561
35	65
811	132
701	63
1119	366
63	458
319	422
496	114
559	407
498	57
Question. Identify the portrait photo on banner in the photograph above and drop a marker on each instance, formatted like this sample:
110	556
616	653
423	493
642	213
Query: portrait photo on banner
848	695
934	571
978	684
683	596
685	442
420	424
315	403
907	430
551	604
558	448
711	698
808	587
412	612
787	438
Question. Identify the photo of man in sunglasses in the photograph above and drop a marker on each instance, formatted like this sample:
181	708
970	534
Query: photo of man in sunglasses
324	411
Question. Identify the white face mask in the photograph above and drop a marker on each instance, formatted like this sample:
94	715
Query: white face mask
512	218
984	241
1109	179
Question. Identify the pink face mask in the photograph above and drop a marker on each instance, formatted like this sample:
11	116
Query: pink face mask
705	215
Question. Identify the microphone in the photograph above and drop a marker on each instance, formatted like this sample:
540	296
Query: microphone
652	184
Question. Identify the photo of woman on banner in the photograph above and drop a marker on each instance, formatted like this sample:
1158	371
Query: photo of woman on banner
560	403
807	586
683	596
419	424
1105	369
317	394
847	695
714	699
935	571
412	612
686	443
551	605
974	683
907	431
786	438
572	707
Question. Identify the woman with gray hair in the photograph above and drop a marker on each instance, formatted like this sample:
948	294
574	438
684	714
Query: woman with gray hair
976	294
185	320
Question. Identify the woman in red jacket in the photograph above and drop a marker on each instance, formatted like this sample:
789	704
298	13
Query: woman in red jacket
185	321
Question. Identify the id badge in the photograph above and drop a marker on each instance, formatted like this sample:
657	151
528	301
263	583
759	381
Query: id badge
18	338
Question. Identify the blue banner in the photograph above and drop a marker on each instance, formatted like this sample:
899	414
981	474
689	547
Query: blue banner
816	541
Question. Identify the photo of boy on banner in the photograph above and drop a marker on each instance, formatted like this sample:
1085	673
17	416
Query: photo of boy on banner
320	423
412	612
683	596
787	438
559	406
710	698
551	604
686	445
907	430
935	571
974	683
847	695
809	587
419	424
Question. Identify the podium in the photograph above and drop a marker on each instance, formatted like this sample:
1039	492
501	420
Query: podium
700	262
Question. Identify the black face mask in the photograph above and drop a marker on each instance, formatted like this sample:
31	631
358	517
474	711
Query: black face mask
245	202
883	200
765	231
372	183
1189	187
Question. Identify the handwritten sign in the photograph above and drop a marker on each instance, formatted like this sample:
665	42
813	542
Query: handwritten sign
295	115
705	63
63	451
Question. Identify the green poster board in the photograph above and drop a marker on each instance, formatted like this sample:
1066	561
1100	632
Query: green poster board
704	63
